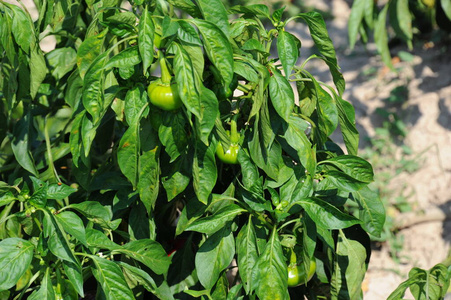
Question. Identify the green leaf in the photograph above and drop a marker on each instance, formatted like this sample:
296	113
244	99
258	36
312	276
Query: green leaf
326	215
182	273
371	210
282	96
354	166
46	290
125	59
217	48
401	20
59	191
73	225
146	33
424	284
349	269
23	29
216	221
97	239
215	12
75	276
61	61
6	198
215	254
187	82
381	39
288	49
15	256
270	273
38	70
135	105
253	9
93	90
93	210
188	6
127	153
327	112
346	118
21	144
149	252
149	175
247	254
319	34
204	171
209	111
172	133
57	239
110	278
446	5
355	20
297	139
178	176
88	52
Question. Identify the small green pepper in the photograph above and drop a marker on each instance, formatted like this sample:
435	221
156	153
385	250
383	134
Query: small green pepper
230	155
161	92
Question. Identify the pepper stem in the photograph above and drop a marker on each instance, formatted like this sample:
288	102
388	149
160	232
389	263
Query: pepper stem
234	135
165	75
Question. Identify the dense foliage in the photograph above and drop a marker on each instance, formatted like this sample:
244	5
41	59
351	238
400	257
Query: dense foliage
214	187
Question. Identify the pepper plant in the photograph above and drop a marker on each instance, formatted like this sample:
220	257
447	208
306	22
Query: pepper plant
122	183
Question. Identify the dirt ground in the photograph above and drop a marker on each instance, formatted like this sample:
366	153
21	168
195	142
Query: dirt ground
426	112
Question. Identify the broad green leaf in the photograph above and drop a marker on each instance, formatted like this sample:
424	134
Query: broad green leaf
247	253
88	52
446	5
401	20
327	112
93	210
59	191
149	252
371	210
187	82
349	269
110	278
250	176
297	139
93	89
6	198
15	256
124	59
254	44
39	197
135	105
46	290
182	273
381	39
270	273
209	111
149	172
23	29
217	48
172	133
57	239
21	144
326	215
61	61
288	50
188	6
354	166
346	118
215	12
38	70
424	284
177	177
146	33
204	171
246	71
253	9
75	276
216	221
319	34
282	96
127	153
73	225
214	256
188	34
355	20
97	239
342	181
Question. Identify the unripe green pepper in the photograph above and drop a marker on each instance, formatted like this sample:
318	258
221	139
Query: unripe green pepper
230	155
161	92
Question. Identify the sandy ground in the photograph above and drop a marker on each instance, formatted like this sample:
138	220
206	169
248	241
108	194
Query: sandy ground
427	114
